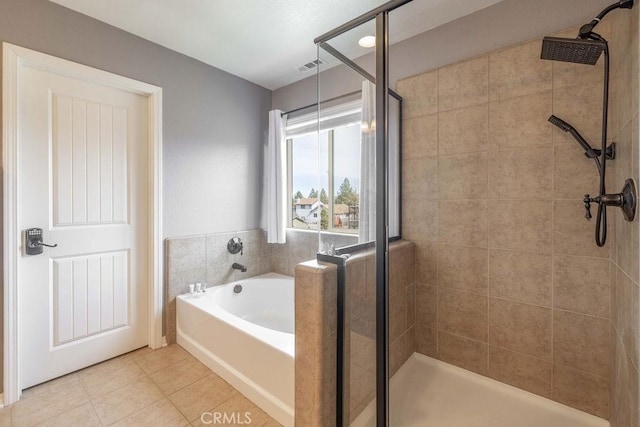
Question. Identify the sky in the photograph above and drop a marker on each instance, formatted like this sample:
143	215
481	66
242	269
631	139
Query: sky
346	160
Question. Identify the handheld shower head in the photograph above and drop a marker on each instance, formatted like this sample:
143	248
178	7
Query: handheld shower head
566	127
576	51
559	123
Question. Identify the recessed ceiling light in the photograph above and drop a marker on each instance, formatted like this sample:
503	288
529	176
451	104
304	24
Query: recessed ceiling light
367	41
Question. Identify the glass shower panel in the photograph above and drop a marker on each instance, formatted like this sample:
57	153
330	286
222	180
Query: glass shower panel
347	108
404	291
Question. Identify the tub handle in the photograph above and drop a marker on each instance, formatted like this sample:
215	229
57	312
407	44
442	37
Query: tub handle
235	245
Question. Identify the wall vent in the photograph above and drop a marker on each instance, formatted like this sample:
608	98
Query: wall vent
310	65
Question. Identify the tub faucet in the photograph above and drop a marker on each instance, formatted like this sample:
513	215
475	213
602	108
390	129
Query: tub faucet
240	267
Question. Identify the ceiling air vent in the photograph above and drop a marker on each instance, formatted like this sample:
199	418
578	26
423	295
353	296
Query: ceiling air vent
310	65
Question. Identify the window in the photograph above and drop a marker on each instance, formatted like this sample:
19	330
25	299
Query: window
324	170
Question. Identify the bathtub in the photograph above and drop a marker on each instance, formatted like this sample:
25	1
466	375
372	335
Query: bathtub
247	338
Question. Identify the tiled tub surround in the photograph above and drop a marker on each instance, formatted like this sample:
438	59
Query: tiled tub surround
625	299
509	281
302	245
205	259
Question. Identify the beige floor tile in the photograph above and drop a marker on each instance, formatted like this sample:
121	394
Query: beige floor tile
57	399
160	413
50	386
138	353
201	396
5	417
81	416
235	411
162	358
126	401
113	374
179	375
274	423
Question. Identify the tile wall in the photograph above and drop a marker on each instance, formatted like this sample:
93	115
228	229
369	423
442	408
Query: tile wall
205	259
509	281
316	341
625	299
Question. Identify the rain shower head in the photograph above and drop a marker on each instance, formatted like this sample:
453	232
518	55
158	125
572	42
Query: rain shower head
577	51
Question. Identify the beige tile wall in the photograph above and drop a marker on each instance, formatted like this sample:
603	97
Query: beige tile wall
625	318
302	246
316	340
361	280
509	281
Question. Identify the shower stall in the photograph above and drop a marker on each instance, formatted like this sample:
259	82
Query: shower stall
450	309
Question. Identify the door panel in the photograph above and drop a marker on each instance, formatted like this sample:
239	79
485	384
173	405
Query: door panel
83	179
90	295
89	162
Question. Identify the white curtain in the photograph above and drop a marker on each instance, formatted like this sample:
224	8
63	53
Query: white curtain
276	179
367	226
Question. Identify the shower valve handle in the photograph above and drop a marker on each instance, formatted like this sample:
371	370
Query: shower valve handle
587	206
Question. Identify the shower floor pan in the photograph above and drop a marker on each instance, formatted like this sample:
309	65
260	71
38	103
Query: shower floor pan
430	393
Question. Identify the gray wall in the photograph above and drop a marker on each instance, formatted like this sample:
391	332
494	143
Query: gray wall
500	25
211	119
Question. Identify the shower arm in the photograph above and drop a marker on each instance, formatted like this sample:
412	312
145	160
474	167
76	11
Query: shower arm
587	29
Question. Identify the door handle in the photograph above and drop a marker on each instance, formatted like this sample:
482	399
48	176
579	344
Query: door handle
36	244
33	244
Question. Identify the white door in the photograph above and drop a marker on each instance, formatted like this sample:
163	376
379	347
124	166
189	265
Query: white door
82	177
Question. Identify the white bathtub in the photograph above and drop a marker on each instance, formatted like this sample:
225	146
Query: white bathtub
247	338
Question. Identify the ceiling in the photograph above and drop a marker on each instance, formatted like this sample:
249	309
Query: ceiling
263	41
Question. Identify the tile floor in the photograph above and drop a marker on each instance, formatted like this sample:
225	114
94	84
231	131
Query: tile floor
165	387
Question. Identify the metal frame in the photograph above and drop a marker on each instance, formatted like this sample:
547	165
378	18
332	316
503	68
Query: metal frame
387	7
358	69
381	15
382	208
342	339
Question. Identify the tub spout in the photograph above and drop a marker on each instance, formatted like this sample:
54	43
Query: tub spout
240	267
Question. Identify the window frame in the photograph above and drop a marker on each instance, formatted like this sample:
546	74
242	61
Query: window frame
330	190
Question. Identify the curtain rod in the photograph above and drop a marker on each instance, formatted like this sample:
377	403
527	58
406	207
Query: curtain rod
346	95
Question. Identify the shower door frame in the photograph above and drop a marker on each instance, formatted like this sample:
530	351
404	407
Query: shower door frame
381	80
